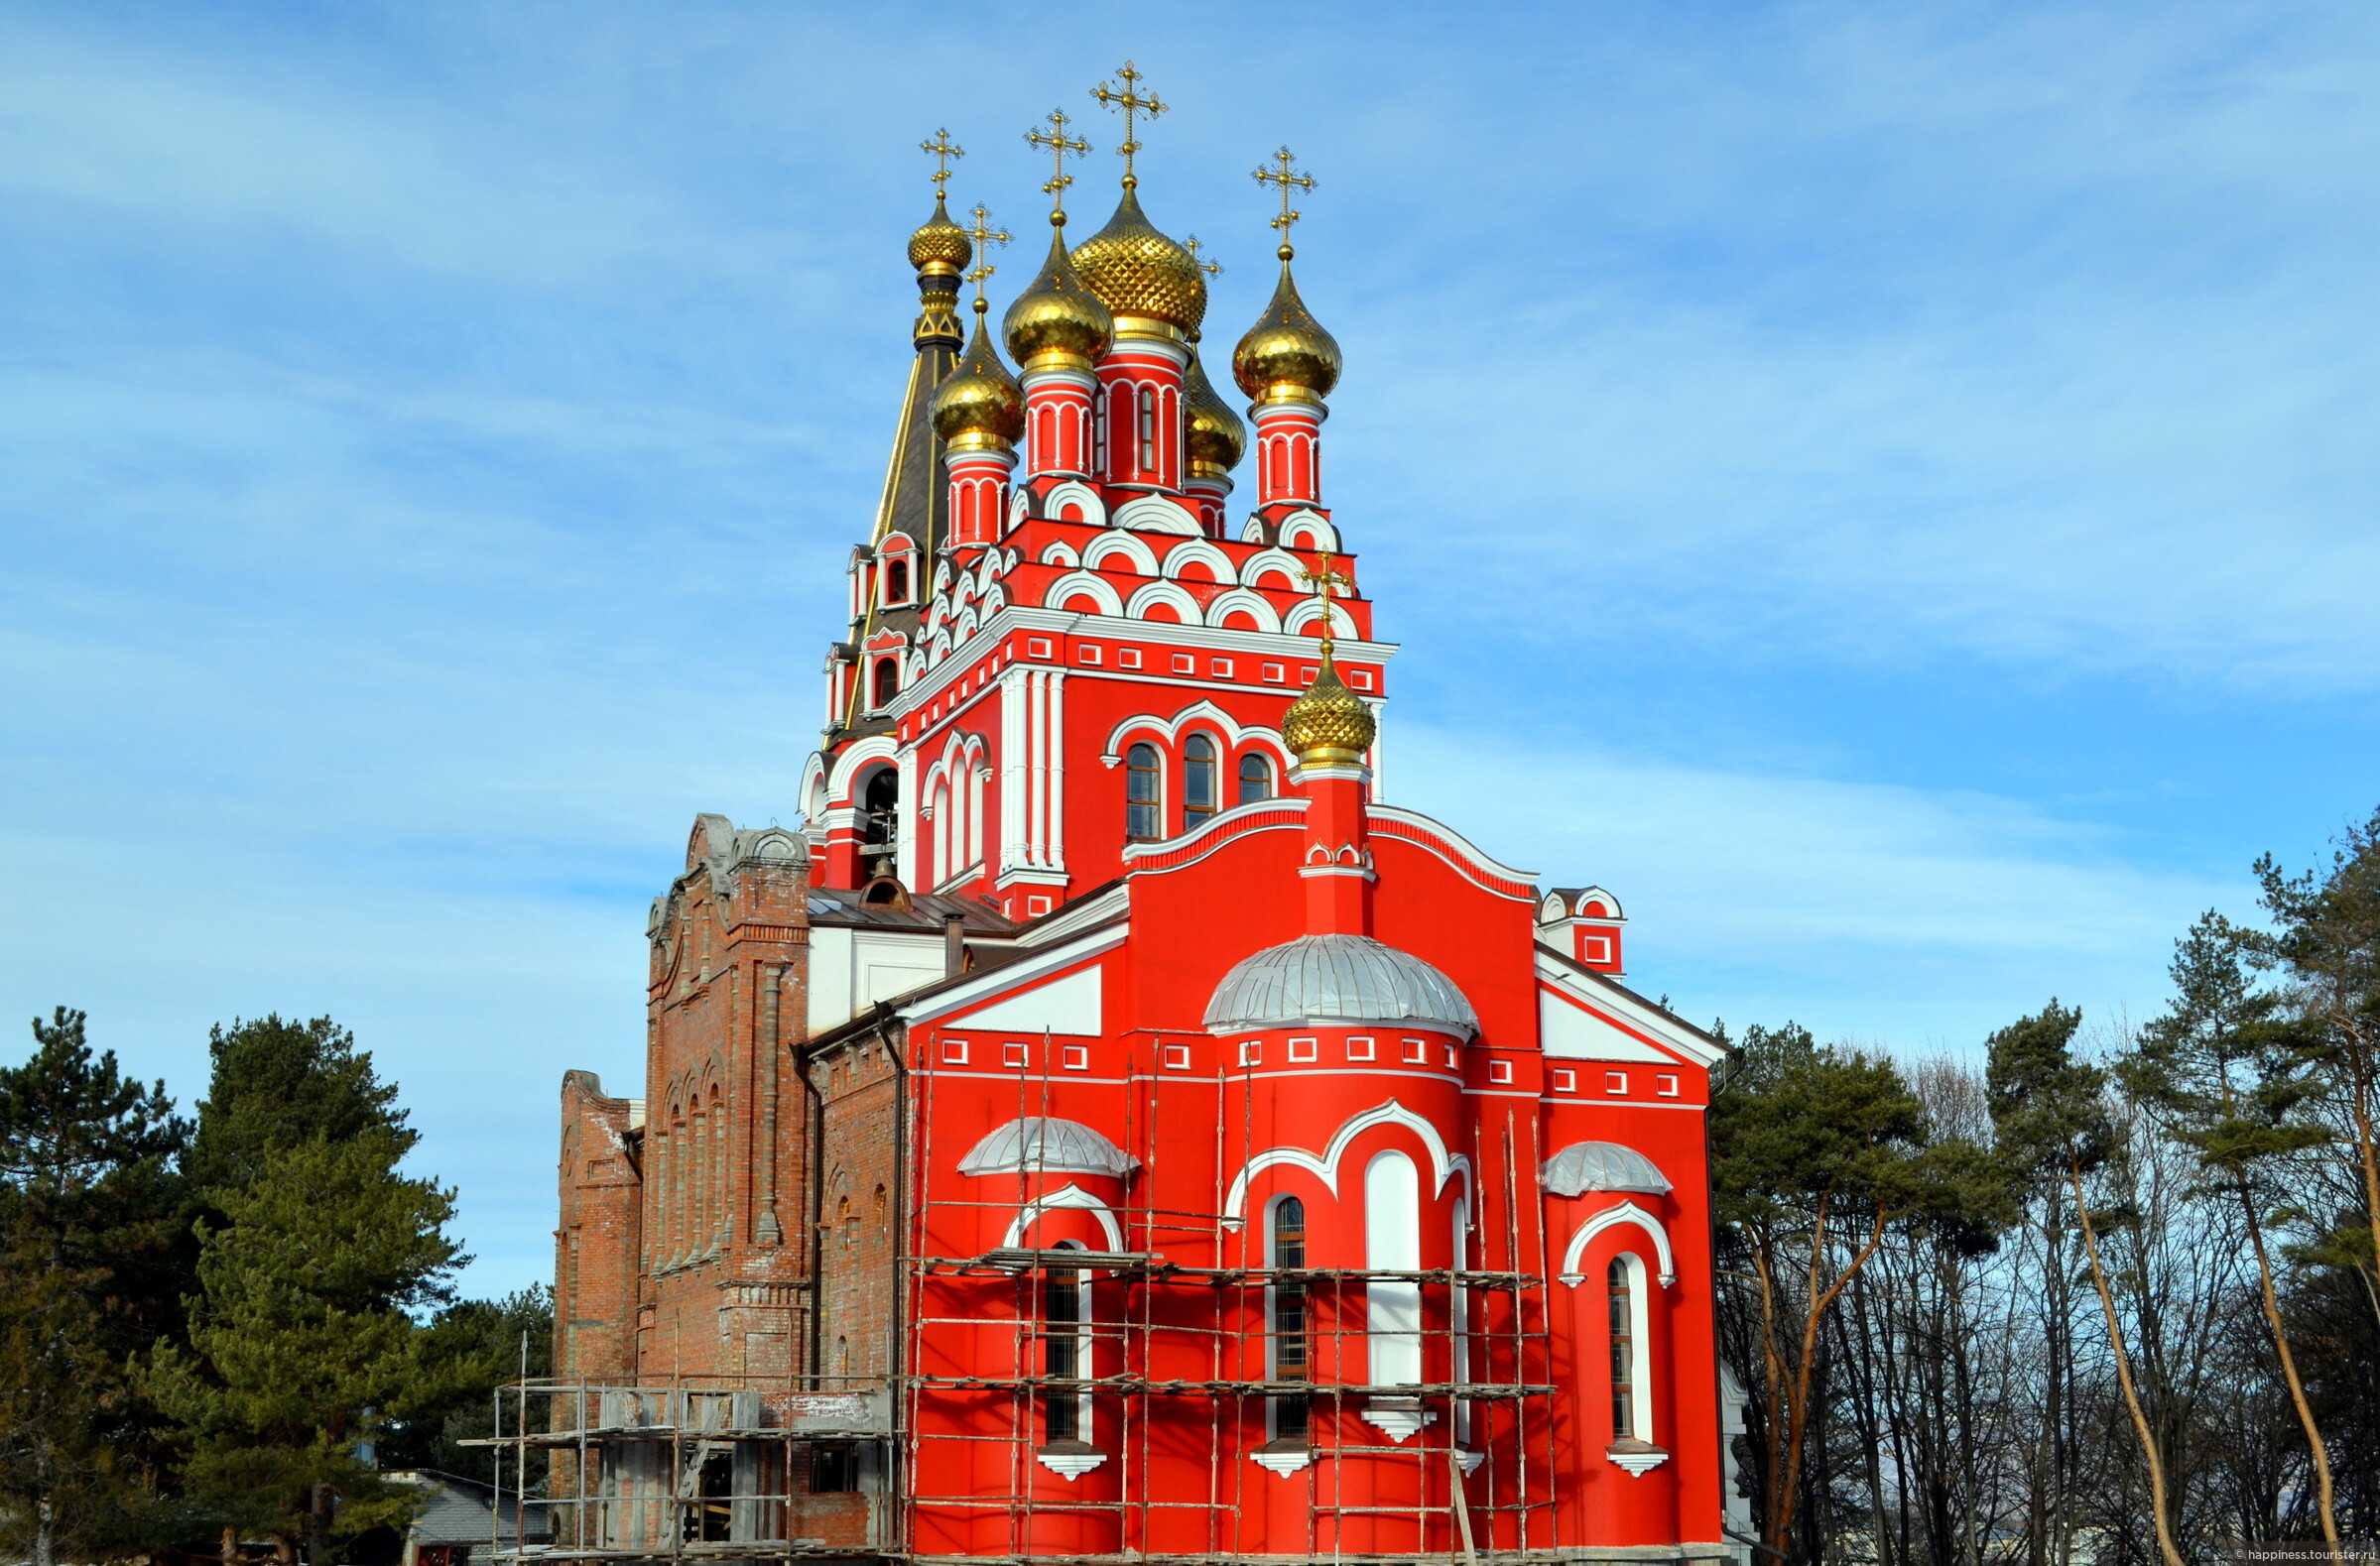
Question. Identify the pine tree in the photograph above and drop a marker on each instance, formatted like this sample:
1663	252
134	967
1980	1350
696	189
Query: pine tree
275	1084
1816	1153
299	1340
91	1212
2224	1063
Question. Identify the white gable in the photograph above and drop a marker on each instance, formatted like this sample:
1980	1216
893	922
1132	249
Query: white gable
1569	1034
1062	1006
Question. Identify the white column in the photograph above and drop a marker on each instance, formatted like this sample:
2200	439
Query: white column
1013	685
904	848
1055	858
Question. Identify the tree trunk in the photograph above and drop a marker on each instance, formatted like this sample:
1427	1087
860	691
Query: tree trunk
2289	1374
2123	1375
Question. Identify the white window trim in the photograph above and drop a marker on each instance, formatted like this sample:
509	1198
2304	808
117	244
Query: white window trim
1072	1466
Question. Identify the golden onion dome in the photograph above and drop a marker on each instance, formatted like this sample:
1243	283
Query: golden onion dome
1137	271
939	247
1058	318
1285	356
1215	438
979	405
1328	724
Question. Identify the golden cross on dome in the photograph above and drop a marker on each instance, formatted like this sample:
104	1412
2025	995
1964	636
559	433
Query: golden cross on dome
941	150
1059	144
1324	580
1132	103
1210	268
1289	179
985	236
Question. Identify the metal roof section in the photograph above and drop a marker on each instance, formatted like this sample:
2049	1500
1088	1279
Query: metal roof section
925	913
1337	979
1047	1144
1585	1166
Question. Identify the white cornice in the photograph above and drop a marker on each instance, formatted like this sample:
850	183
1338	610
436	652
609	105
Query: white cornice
1666	1029
1067	622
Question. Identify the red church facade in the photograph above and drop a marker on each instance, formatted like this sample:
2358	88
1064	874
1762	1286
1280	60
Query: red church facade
1110	1130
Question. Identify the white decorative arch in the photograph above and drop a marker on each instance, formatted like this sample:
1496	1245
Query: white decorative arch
1199	552
1156	514
1099	589
1252	530
815	802
1342	624
1443	1165
1016	506
964	625
1108	545
1610	1217
1201	711
875	747
1171	594
1271	563
1094	510
1069	1195
987	568
1061	553
1240	598
1307	529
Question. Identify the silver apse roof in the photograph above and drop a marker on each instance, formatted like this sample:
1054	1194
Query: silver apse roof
1046	1144
1585	1166
1336	979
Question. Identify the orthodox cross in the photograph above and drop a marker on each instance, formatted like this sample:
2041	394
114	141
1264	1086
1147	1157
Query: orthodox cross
1325	580
1210	268
1132	103
1289	179
941	150
985	236
1059	144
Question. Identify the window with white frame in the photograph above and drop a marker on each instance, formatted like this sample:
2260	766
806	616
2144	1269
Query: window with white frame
1198	794
1286	1344
1144	793
1067	1350
1629	1327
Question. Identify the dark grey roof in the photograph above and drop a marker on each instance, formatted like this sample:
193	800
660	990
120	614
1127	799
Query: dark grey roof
1337	979
456	1510
1585	1166
835	906
916	494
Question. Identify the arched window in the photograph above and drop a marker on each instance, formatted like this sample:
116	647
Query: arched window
1392	1230
1255	779
896	581
880	809
1198	782
888	683
1065	1349
1291	1362
1147	419
1143	793
1631	1352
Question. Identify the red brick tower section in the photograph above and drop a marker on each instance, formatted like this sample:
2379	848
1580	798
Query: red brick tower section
595	1243
720	1249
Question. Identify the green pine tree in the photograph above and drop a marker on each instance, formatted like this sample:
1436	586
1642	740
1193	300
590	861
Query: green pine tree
91	1210
2225	1064
300	1345
275	1084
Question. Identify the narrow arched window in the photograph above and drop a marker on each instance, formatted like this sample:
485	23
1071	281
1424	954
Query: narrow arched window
1255	779
896	583
888	681
1291	1362
1144	787
1065	1319
1628	1389
880	809
1148	416
1199	780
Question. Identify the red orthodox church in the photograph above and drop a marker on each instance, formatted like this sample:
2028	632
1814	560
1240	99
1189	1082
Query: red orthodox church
1109	1129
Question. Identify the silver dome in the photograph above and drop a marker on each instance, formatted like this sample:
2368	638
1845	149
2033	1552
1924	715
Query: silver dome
1585	1166
1046	1144
1335	979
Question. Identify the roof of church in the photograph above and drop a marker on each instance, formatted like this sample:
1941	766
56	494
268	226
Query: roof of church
1046	1144
832	905
1337	979
1585	1166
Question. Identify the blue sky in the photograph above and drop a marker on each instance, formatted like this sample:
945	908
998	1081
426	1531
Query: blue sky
1889	491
